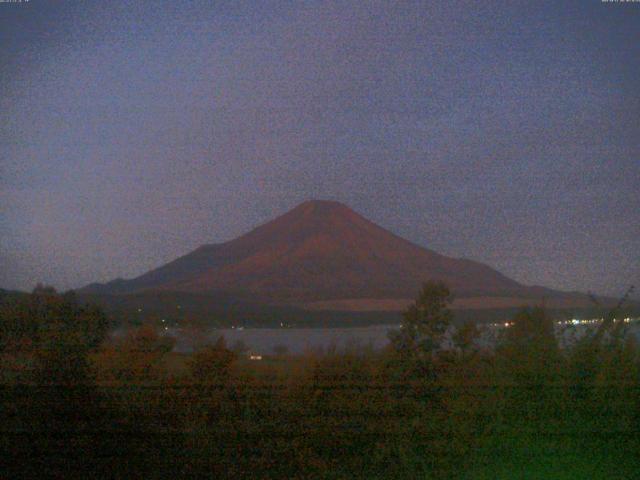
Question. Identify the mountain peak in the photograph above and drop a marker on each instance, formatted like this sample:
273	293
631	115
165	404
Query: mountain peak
311	216
323	207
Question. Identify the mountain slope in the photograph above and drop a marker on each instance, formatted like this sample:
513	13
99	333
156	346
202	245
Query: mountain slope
319	251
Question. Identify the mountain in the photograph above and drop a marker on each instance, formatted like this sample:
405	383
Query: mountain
323	255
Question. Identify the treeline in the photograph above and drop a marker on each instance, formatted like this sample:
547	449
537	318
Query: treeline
224	310
75	403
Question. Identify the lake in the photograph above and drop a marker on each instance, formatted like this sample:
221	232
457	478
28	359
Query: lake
301	340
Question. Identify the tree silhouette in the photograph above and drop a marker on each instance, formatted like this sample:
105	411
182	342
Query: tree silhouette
424	322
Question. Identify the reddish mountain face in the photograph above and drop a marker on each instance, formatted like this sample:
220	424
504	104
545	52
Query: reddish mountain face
320	251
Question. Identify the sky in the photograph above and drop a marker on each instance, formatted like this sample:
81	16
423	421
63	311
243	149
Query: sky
505	132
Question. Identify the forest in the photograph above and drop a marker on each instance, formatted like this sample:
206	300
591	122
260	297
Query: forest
76	401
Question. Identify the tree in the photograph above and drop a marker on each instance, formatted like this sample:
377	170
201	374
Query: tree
424	322
213	364
532	336
530	366
465	337
135	359
51	335
55	331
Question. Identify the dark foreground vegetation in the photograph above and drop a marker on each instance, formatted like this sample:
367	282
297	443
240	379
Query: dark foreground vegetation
74	404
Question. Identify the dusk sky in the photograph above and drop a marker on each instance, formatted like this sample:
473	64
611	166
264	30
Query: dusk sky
133	132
